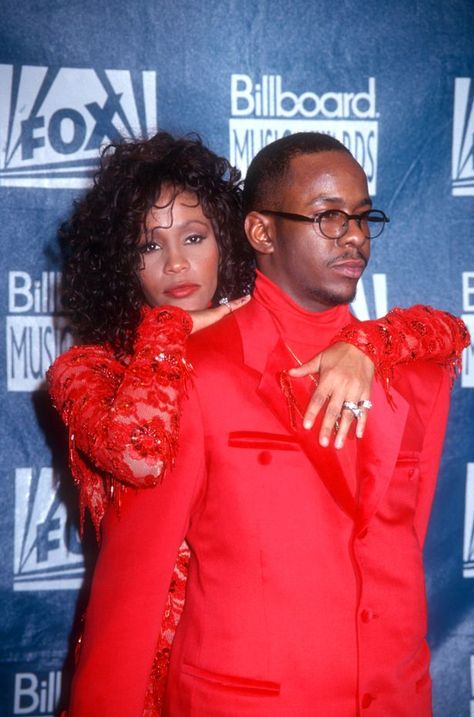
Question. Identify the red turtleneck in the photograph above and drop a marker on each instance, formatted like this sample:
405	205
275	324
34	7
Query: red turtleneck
305	332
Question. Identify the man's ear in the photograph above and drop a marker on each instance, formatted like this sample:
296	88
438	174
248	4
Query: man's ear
260	232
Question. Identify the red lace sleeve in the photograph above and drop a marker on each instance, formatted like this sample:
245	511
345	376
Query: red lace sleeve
123	418
404	335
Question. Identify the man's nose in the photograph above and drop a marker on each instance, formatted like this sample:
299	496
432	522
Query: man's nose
356	233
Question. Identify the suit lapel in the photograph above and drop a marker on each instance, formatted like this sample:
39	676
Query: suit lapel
259	335
327	462
376	453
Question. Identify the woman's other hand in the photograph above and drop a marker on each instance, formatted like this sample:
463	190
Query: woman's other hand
207	317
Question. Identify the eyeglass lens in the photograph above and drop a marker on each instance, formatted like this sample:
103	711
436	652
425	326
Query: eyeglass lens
334	224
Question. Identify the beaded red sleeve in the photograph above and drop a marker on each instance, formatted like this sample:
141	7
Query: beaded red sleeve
404	335
123	422
123	417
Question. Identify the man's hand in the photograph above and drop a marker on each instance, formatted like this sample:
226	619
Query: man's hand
207	317
345	374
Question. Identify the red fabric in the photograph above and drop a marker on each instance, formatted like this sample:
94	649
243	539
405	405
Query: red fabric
302	597
296	325
406	335
123	417
123	421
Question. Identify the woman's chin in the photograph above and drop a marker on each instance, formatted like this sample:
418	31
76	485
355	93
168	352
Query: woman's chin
189	303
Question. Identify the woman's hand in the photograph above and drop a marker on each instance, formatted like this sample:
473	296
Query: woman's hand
207	317
345	374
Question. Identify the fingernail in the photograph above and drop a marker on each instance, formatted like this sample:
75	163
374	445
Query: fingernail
324	442
307	424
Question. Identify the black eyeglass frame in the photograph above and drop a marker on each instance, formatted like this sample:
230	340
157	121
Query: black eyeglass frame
317	219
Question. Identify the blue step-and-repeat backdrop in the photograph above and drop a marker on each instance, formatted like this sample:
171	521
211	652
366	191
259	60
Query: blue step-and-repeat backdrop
394	81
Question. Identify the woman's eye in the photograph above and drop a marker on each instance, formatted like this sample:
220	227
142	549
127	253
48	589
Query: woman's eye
194	239
149	247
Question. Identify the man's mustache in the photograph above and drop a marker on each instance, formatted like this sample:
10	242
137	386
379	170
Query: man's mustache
354	255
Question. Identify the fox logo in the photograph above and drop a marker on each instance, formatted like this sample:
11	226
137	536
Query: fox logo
48	554
54	120
463	138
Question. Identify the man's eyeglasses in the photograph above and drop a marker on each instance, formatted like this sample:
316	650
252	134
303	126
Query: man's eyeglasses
334	223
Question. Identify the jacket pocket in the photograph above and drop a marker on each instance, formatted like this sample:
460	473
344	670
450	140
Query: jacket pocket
246	685
263	439
400	500
405	457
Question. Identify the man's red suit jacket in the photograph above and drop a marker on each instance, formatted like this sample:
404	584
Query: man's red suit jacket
305	593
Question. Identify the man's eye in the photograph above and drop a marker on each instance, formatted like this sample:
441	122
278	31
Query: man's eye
332	215
194	239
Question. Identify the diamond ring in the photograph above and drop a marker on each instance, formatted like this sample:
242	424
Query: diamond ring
353	407
225	302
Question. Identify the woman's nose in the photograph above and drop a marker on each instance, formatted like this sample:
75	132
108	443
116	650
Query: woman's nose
176	262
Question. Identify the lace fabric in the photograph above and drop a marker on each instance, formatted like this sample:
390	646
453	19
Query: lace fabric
419	333
156	688
123	416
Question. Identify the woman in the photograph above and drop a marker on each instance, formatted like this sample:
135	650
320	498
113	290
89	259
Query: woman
137	241
161	226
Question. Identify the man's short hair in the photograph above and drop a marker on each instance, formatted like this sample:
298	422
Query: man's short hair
268	168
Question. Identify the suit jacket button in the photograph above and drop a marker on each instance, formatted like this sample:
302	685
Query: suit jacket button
367	615
264	457
367	700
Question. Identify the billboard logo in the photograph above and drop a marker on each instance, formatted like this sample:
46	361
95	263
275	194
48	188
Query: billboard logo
36	332
47	551
467	376
36	693
264	111
468	549
463	138
54	120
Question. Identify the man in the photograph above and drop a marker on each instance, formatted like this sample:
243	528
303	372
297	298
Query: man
305	593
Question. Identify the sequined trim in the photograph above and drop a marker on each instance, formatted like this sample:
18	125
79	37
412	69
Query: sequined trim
123	416
419	333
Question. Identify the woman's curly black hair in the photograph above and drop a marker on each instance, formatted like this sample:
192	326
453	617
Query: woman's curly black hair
101	287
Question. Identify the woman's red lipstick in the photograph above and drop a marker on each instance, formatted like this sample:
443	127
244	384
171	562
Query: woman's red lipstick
181	291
